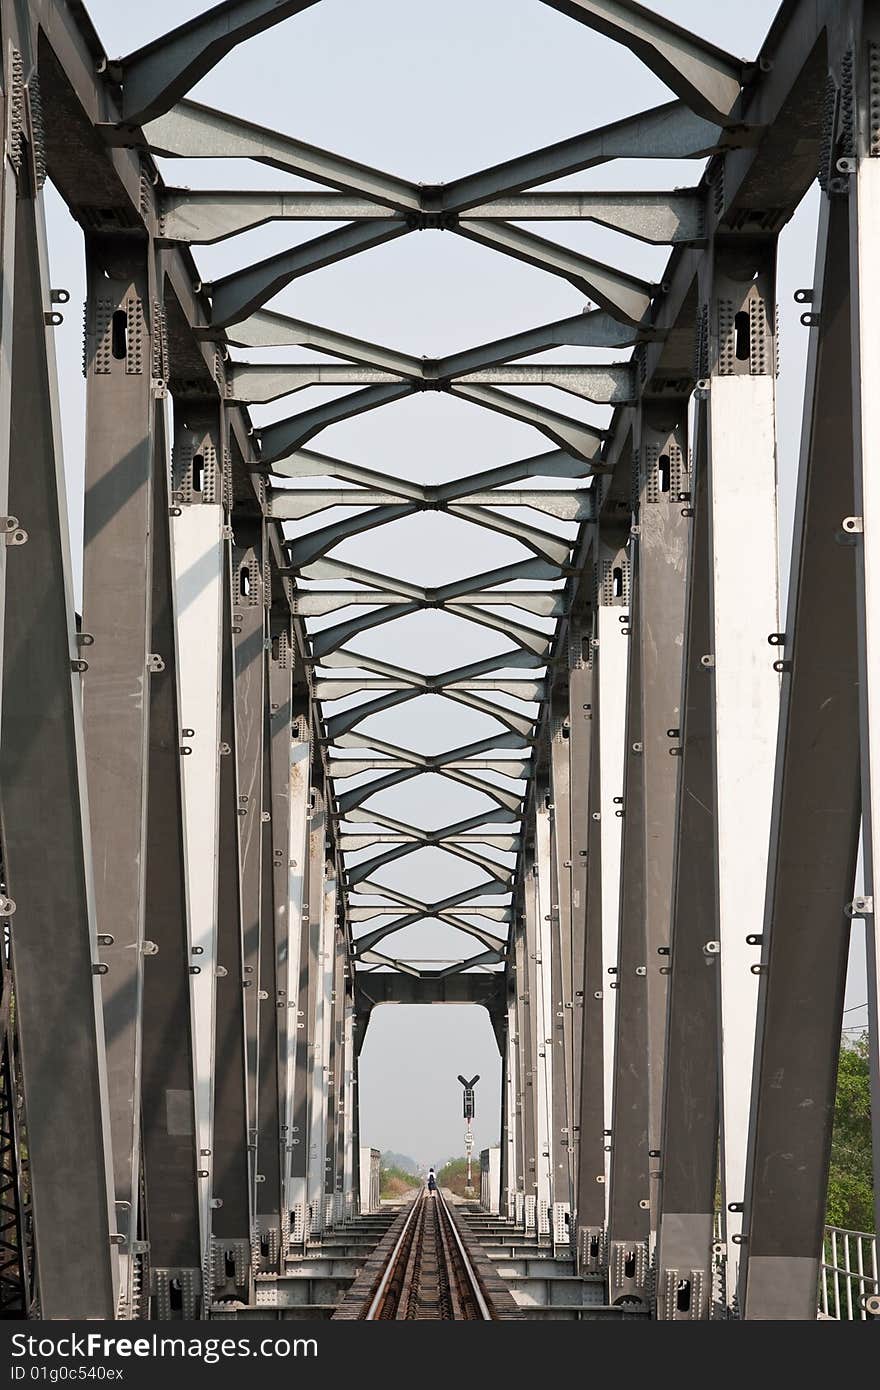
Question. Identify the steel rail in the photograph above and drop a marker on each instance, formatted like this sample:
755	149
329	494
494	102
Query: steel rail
482	1305
463	1282
391	1268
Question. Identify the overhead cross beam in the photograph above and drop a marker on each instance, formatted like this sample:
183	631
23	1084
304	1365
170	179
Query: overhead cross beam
192	130
155	76
459	684
592	329
251	383
194	217
291	434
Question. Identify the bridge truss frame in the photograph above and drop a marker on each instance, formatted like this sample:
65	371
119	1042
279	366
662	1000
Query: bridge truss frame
190	995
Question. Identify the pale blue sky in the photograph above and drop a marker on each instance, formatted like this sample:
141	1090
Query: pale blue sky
431	91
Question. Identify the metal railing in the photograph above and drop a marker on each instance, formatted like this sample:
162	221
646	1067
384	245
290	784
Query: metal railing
848	1277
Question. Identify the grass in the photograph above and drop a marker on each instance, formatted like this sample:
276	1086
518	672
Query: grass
396	1182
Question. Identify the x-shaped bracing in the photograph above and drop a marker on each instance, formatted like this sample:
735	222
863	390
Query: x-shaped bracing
409	839
452	910
471	498
375	208
459	684
463	597
671	131
456	764
707	78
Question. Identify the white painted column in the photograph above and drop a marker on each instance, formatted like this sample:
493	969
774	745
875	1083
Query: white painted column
197	541
613	666
744	611
865	529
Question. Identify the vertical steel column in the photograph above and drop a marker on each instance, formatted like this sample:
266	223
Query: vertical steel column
511	1137
355	1106
587	842
744	612
349	1124
561	944
814	834
689	1140
336	1105
17	156
249	641
332	1059
266	1237
306	986
291	865
279	799
628	1208
865	523
580	682
551	1086
232	1199
319	1090
197	534
612	590
123	333
313	969
168	1107
525	1072
538	1183
43	791
663	538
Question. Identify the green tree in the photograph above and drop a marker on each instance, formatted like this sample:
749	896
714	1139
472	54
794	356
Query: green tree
454	1175
850	1184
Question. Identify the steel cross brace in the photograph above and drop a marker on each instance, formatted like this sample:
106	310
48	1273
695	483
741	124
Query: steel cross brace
193	131
286	436
464	598
409	838
456	684
450	765
706	77
460	902
259	384
593	328
312	546
203	218
154	76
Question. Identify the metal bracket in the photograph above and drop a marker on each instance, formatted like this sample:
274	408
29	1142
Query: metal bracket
860	907
12	533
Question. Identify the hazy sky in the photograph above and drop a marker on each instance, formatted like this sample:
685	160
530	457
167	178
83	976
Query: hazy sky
431	91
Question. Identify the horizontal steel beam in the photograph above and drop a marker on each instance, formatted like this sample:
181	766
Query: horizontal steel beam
250	383
203	218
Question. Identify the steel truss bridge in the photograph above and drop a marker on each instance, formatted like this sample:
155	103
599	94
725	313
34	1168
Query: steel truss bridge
673	777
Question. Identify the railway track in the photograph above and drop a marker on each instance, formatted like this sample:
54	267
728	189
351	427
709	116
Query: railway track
429	1276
